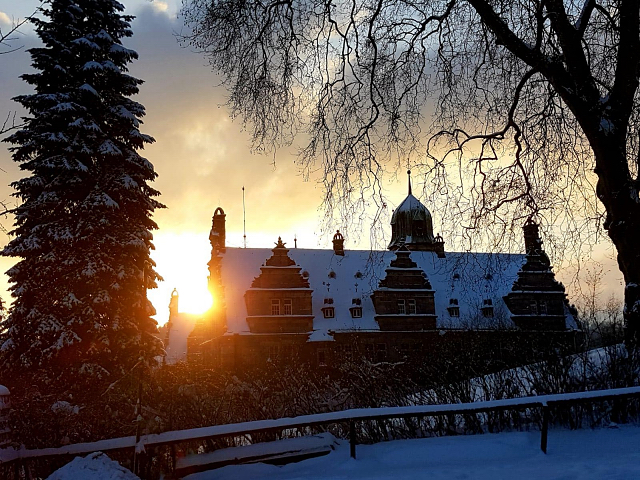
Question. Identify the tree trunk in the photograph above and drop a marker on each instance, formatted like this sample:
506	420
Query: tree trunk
619	195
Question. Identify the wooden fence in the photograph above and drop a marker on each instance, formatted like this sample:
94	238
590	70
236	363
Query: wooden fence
148	443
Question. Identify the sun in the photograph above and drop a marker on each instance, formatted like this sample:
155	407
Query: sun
181	259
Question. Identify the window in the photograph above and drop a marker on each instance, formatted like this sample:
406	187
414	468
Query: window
412	307
322	358
287	306
328	312
487	312
401	309
356	312
454	311
368	352
381	352
275	306
543	307
274	352
533	309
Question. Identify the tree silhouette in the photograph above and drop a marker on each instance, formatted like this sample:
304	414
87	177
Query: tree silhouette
83	225
528	98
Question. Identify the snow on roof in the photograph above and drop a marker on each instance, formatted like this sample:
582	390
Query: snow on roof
469	278
4	391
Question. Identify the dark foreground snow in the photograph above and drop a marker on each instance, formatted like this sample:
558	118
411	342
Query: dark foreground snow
612	453
96	466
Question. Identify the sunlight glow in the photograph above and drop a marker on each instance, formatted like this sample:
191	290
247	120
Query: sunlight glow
181	258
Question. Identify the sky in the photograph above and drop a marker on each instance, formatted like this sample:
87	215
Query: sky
202	157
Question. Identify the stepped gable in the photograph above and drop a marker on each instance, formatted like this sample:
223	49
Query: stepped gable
280	271
403	272
279	299
404	299
537	301
412	226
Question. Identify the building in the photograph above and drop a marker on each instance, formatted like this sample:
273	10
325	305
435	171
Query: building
412	300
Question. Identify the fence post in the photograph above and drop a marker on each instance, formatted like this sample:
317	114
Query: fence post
352	438
545	428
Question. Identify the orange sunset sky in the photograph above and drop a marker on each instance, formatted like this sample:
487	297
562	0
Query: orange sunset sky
203	160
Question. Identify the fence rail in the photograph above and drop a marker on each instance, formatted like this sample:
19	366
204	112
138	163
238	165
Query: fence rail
147	442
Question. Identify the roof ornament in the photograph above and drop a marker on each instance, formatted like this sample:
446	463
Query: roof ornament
409	174
280	244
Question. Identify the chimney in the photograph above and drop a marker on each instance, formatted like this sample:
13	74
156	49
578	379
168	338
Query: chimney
217	235
338	244
532	241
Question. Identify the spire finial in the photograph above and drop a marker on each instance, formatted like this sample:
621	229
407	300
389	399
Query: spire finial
409	174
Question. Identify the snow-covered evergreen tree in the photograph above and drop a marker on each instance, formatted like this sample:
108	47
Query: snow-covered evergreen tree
83	227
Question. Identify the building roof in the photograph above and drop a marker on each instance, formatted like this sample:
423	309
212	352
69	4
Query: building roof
470	278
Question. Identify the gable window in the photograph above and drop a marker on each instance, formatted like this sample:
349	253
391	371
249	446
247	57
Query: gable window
401	307
287	306
543	307
275	306
328	312
412	306
356	312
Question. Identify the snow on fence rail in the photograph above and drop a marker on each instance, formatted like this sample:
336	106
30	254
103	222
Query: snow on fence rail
351	416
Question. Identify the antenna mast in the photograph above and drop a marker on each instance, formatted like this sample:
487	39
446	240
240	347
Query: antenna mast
244	221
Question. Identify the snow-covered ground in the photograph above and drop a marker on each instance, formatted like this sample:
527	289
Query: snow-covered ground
612	453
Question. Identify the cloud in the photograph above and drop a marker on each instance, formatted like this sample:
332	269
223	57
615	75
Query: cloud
5	20
160	6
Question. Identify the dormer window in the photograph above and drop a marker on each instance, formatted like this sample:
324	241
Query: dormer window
454	311
356	312
275	306
487	308
328	312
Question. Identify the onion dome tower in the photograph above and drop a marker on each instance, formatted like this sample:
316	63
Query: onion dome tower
412	226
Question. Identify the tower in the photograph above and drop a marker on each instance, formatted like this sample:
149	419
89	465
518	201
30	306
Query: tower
412	226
